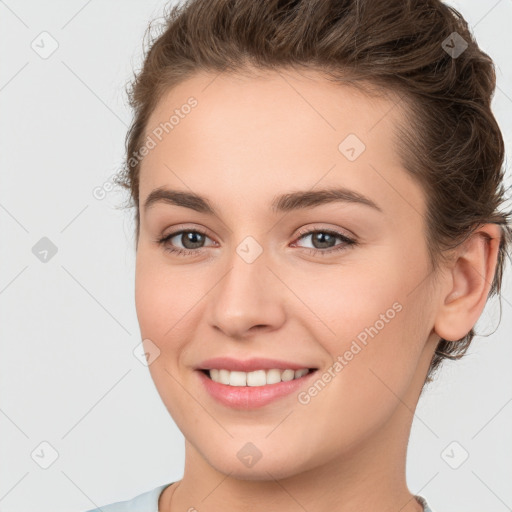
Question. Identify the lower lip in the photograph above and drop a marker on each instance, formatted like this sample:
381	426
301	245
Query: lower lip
251	397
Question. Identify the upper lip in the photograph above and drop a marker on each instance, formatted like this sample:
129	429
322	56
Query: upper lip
248	365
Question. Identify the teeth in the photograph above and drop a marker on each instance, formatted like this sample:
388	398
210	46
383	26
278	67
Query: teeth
237	378
257	377
223	376
288	375
273	376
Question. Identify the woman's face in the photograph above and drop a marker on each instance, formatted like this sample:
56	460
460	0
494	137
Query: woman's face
269	273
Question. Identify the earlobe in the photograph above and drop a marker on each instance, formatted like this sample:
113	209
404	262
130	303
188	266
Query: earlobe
468	281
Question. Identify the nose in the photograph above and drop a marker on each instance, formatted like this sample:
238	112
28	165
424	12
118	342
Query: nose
248	299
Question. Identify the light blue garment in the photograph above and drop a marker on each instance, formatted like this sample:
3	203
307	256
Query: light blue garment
148	502
145	502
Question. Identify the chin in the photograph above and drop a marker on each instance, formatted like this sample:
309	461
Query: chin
259	472
244	461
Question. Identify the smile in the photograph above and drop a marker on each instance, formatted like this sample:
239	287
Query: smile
255	378
254	389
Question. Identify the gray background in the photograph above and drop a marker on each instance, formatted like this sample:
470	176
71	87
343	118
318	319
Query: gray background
68	330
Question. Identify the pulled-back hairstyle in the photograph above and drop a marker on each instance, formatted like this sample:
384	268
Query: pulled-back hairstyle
452	144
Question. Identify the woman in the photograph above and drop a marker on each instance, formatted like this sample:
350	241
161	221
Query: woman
316	188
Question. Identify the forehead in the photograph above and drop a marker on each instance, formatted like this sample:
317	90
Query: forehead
278	130
248	101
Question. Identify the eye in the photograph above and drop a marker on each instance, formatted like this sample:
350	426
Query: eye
324	241
191	239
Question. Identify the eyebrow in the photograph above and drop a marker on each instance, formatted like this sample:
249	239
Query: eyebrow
283	203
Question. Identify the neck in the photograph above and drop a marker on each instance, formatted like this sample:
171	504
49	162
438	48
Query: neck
366	477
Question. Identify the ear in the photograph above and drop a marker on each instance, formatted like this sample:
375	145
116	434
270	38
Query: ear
468	283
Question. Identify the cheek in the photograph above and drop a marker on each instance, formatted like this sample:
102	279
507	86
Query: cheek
374	363
374	327
165	296
162	300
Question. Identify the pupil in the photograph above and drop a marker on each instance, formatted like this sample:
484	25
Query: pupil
323	238
189	240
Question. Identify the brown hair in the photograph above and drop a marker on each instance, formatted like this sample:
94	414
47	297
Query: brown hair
452	146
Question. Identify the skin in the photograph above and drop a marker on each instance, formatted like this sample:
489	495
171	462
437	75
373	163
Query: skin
248	140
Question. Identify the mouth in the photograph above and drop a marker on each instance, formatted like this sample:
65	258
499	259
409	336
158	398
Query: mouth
241	390
252	383
256	378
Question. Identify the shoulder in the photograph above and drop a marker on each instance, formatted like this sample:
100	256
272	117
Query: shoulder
145	502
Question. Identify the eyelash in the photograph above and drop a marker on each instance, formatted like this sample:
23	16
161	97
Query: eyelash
347	242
